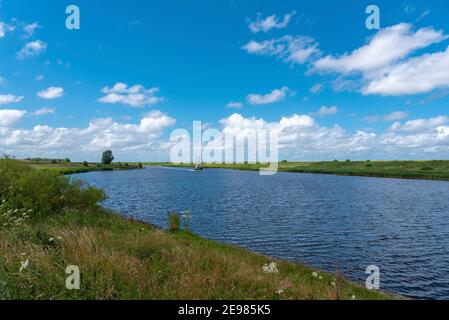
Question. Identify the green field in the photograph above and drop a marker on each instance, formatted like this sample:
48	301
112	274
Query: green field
48	222
78	167
429	170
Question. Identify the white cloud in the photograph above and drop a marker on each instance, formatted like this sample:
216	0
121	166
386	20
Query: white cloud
316	88
44	111
394	116
289	49
235	105
417	75
32	49
274	96
327	111
419	124
270	22
51	93
9	98
30	29
134	96
300	137
99	135
389	45
4	28
9	117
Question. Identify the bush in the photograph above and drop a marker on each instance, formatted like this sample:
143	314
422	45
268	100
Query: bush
85	164
174	221
44	192
140	166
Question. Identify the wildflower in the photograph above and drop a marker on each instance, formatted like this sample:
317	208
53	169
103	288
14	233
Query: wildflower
280	291
59	238
24	265
320	277
353	297
333	284
315	275
51	240
270	268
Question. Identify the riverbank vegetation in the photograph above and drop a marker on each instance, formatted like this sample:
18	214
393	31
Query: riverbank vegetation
79	167
49	222
429	170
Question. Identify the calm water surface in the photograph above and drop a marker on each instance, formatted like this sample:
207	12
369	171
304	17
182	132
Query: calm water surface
325	221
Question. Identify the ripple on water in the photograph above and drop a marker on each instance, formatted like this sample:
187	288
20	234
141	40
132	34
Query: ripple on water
325	221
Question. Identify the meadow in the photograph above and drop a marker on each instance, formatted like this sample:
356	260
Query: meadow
48	222
428	169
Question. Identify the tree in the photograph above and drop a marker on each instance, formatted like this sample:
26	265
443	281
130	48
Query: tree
107	157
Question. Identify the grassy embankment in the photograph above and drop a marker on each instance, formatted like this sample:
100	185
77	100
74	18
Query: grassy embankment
429	170
79	167
48	223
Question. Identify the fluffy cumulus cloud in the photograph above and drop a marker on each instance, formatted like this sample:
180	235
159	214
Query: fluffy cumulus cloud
289	49
385	64
134	96
417	75
32	49
388	46
51	93
99	135
270	22
276	95
9	98
9	117
419	125
301	137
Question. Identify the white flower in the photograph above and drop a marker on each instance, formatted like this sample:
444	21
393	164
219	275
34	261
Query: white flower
280	291
315	275
320	277
24	265
333	284
270	268
51	239
353	297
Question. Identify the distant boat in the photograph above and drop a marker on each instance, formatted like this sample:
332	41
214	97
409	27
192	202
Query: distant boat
199	166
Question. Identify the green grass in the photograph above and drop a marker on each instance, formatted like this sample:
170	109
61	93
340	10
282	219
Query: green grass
53	222
79	167
429	170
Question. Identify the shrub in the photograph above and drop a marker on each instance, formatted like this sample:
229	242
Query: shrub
427	169
85	164
174	221
140	165
44	192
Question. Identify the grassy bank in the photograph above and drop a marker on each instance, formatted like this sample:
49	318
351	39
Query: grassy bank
79	167
429	170
48	223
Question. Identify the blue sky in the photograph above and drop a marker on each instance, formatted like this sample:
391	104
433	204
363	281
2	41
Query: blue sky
57	96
